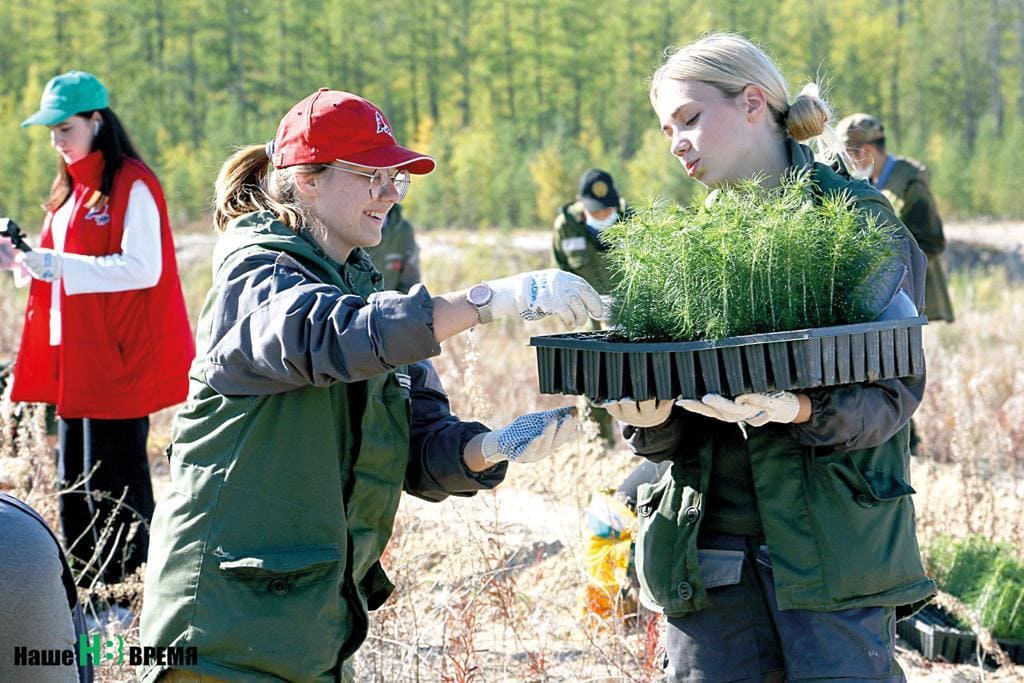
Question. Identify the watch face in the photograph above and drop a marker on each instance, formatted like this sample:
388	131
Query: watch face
480	295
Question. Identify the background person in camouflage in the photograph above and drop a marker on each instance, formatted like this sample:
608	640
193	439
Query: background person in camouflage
397	257
904	182
577	248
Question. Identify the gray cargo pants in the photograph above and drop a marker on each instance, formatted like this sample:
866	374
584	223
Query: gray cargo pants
744	636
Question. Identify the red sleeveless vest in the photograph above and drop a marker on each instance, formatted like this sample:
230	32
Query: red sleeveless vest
122	354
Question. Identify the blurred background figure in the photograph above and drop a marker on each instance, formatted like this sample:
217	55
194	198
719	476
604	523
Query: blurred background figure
904	182
577	248
397	257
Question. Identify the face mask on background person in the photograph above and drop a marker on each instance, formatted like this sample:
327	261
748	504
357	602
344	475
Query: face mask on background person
864	170
602	223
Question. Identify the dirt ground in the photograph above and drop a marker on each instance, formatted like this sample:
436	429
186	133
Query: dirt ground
536	516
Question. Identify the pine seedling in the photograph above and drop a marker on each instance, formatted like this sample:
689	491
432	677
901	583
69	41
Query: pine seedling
749	260
987	576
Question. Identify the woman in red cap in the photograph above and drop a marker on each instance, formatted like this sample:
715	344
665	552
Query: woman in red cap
106	336
312	406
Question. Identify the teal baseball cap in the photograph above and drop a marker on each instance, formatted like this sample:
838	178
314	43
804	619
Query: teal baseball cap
67	95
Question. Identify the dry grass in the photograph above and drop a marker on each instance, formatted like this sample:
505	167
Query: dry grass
487	586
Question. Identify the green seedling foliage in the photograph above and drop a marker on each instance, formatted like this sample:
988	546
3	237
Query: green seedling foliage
985	575
749	260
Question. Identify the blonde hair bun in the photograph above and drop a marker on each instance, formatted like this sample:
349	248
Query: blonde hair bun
808	116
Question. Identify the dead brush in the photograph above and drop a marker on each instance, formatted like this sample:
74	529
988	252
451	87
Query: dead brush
28	472
970	478
436	556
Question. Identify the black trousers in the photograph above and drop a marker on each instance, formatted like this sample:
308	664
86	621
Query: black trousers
110	456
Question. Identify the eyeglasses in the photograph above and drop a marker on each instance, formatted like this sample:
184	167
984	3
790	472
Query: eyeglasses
380	179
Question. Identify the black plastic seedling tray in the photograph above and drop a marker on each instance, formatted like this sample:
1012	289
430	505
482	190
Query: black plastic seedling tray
588	363
935	634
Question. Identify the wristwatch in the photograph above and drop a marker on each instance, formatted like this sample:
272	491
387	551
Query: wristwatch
480	296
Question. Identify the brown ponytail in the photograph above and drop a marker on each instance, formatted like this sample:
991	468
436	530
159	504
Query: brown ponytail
247	183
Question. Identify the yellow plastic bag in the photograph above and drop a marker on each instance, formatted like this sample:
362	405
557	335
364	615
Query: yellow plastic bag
607	549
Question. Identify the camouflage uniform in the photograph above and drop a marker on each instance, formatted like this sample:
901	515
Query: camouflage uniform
904	182
397	257
577	248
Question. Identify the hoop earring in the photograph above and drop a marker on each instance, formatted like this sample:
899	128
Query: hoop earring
95	128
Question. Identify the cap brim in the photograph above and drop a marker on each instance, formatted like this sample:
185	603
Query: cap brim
394	156
45	117
592	204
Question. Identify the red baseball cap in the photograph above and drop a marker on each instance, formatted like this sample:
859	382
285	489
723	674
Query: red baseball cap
333	124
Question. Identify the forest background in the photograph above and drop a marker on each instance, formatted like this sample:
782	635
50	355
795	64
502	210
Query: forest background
514	98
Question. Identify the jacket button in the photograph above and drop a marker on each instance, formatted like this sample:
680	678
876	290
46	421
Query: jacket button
349	280
279	587
644	510
685	591
692	514
864	500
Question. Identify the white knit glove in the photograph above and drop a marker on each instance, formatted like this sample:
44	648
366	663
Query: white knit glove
530	437
755	410
650	413
43	264
778	406
541	293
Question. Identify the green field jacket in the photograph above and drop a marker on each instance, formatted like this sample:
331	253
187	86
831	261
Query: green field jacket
306	418
397	257
907	188
575	248
833	494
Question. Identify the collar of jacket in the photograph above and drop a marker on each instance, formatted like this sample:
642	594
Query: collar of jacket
358	260
88	170
883	177
801	158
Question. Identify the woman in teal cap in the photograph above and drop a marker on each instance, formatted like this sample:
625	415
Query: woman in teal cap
106	336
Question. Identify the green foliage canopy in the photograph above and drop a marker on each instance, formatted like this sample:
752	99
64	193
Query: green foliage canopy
496	89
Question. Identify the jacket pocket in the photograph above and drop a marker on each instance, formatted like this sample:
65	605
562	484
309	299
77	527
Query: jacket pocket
662	548
720	567
278	611
865	522
578	257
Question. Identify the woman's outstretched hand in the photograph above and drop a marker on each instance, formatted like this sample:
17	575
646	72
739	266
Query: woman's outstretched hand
541	293
529	437
650	413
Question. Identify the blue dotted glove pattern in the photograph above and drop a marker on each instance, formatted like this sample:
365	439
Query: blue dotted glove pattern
520	433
